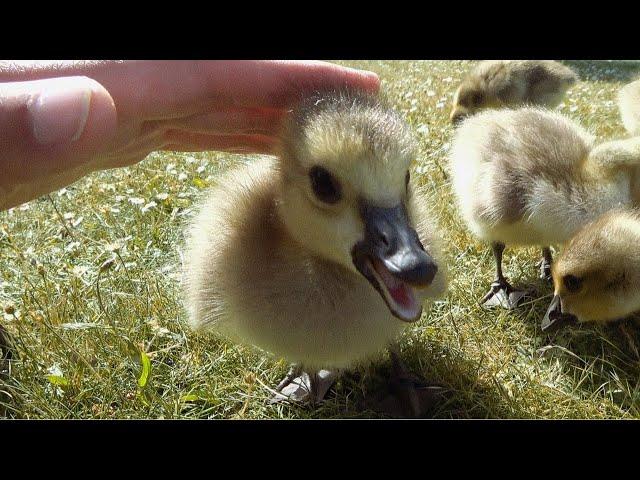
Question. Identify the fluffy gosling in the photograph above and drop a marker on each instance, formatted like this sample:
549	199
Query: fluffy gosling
533	177
597	276
323	255
511	83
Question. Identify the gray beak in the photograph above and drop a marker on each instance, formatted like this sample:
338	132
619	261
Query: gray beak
390	238
392	259
554	316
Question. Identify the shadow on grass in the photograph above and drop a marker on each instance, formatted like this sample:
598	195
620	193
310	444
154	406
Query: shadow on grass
597	361
603	359
608	71
463	394
602	355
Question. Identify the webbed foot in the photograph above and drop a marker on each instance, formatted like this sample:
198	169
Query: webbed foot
502	294
408	395
300	386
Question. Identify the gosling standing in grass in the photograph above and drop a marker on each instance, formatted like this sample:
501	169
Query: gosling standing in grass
629	105
597	276
325	254
534	177
510	83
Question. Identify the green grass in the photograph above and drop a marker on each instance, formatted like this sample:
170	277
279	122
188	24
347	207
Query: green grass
89	279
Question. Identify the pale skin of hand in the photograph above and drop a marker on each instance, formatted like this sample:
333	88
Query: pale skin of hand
61	120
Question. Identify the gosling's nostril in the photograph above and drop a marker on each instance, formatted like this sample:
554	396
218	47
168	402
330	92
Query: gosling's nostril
384	239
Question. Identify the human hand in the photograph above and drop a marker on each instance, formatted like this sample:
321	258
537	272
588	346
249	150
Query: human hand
62	120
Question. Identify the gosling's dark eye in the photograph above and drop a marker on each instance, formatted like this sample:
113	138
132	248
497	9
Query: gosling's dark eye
406	179
572	283
324	185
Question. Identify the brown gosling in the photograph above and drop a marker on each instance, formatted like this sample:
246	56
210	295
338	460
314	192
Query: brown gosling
533	177
322	255
597	276
512	83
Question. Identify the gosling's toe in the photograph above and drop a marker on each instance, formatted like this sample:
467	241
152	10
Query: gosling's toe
502	294
300	386
407	395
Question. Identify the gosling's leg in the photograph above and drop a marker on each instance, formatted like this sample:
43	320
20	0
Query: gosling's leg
6	351
300	386
501	293
545	264
408	396
293	372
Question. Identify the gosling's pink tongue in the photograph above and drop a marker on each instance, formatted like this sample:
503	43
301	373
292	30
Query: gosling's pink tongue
401	294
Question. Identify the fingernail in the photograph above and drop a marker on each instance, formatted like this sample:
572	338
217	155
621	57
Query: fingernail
370	74
371	77
59	113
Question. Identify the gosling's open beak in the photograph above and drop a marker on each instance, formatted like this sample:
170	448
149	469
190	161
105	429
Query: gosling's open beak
394	261
555	317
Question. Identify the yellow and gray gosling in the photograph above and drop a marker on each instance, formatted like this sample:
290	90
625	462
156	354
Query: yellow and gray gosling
512	83
324	254
533	177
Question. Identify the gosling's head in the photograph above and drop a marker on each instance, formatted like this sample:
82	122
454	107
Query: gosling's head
346	195
597	276
468	99
473	95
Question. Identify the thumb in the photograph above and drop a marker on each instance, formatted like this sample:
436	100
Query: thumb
52	125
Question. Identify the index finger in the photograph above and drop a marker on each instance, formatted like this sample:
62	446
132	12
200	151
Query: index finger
281	83
168	89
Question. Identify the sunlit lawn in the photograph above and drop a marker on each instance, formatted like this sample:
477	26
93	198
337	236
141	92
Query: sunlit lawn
89	285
